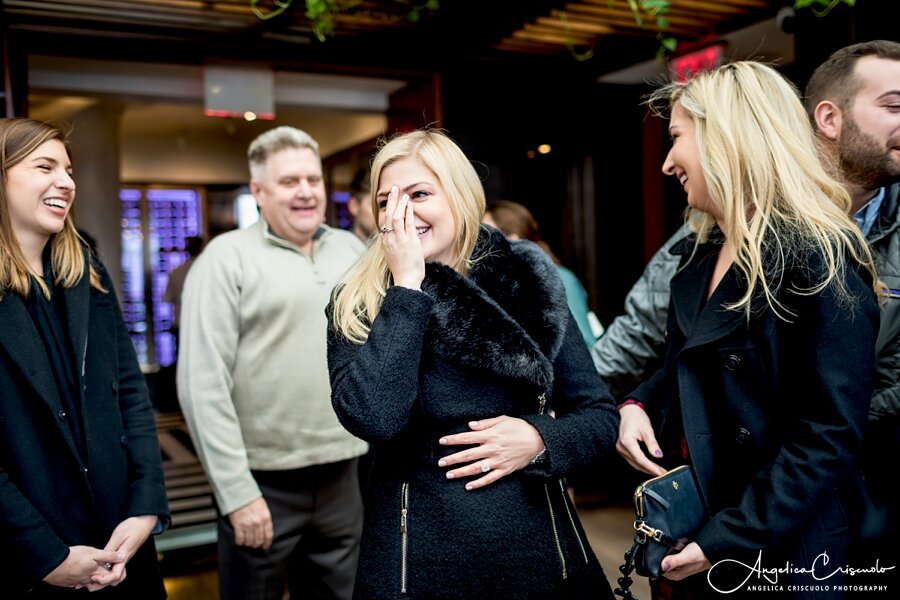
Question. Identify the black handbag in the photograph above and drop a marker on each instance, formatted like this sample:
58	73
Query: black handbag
669	513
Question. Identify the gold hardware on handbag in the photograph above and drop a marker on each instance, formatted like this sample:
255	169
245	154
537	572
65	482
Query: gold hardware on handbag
669	512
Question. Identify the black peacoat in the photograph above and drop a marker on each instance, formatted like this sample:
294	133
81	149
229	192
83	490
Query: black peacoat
500	341
50	496
772	412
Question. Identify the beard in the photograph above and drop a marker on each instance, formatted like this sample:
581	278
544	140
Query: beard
864	161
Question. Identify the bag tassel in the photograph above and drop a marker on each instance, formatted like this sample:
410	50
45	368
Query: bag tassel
626	569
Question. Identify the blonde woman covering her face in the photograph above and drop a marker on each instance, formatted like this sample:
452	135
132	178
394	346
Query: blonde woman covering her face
770	340
449	346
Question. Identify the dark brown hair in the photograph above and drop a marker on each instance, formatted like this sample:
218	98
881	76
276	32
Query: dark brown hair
835	79
513	218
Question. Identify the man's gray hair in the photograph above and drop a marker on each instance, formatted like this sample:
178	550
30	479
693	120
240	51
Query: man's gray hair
276	140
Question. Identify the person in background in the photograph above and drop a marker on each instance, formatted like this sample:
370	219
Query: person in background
253	385
81	480
516	222
632	346
448	347
359	207
853	99
192	245
769	358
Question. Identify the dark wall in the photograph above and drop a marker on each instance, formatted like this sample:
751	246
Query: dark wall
500	114
817	37
13	76
618	147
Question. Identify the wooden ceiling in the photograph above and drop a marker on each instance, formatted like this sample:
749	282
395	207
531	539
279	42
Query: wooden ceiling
379	30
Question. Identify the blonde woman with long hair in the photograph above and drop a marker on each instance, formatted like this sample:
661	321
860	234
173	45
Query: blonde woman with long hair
81	482
769	360
449	346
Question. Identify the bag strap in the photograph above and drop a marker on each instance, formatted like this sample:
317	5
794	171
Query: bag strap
625	569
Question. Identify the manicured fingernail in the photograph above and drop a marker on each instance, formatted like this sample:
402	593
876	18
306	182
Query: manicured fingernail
394	188
473	423
442	463
665	567
470	487
442	441
657	452
450	475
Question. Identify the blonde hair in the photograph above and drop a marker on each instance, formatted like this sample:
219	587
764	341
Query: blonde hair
358	298
19	138
764	175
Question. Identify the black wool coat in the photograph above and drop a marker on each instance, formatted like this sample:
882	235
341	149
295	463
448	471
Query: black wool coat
50	497
772	412
497	342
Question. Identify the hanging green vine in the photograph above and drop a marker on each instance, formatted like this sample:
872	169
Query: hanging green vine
280	7
323	14
644	11
657	9
827	4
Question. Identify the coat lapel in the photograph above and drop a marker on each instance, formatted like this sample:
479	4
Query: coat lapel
78	306
703	322
20	339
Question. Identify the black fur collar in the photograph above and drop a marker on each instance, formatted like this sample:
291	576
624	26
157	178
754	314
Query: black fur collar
508	316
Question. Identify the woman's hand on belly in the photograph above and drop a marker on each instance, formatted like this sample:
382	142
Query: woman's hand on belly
500	446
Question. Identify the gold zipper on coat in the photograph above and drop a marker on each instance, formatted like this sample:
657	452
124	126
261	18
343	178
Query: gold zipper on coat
542	403
562	558
404	512
572	520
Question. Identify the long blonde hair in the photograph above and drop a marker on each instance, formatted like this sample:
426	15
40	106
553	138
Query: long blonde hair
19	138
358	298
764	175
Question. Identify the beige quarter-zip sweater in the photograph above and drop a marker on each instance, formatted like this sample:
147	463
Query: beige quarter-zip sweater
252	372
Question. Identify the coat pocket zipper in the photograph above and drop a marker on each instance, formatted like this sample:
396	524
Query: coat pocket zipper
559	551
565	499
404	513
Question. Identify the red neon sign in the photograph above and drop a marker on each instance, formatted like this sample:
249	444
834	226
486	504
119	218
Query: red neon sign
687	65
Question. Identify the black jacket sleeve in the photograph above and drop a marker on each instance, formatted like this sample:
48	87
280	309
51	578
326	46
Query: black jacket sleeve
374	385
585	422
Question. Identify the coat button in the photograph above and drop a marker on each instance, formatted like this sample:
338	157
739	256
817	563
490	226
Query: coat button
61	414
741	437
114	386
732	362
124	440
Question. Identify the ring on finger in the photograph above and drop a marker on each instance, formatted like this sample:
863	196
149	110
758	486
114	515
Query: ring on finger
485	467
386	229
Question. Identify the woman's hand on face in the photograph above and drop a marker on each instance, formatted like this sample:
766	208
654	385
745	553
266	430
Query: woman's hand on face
501	446
634	428
402	248
690	561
